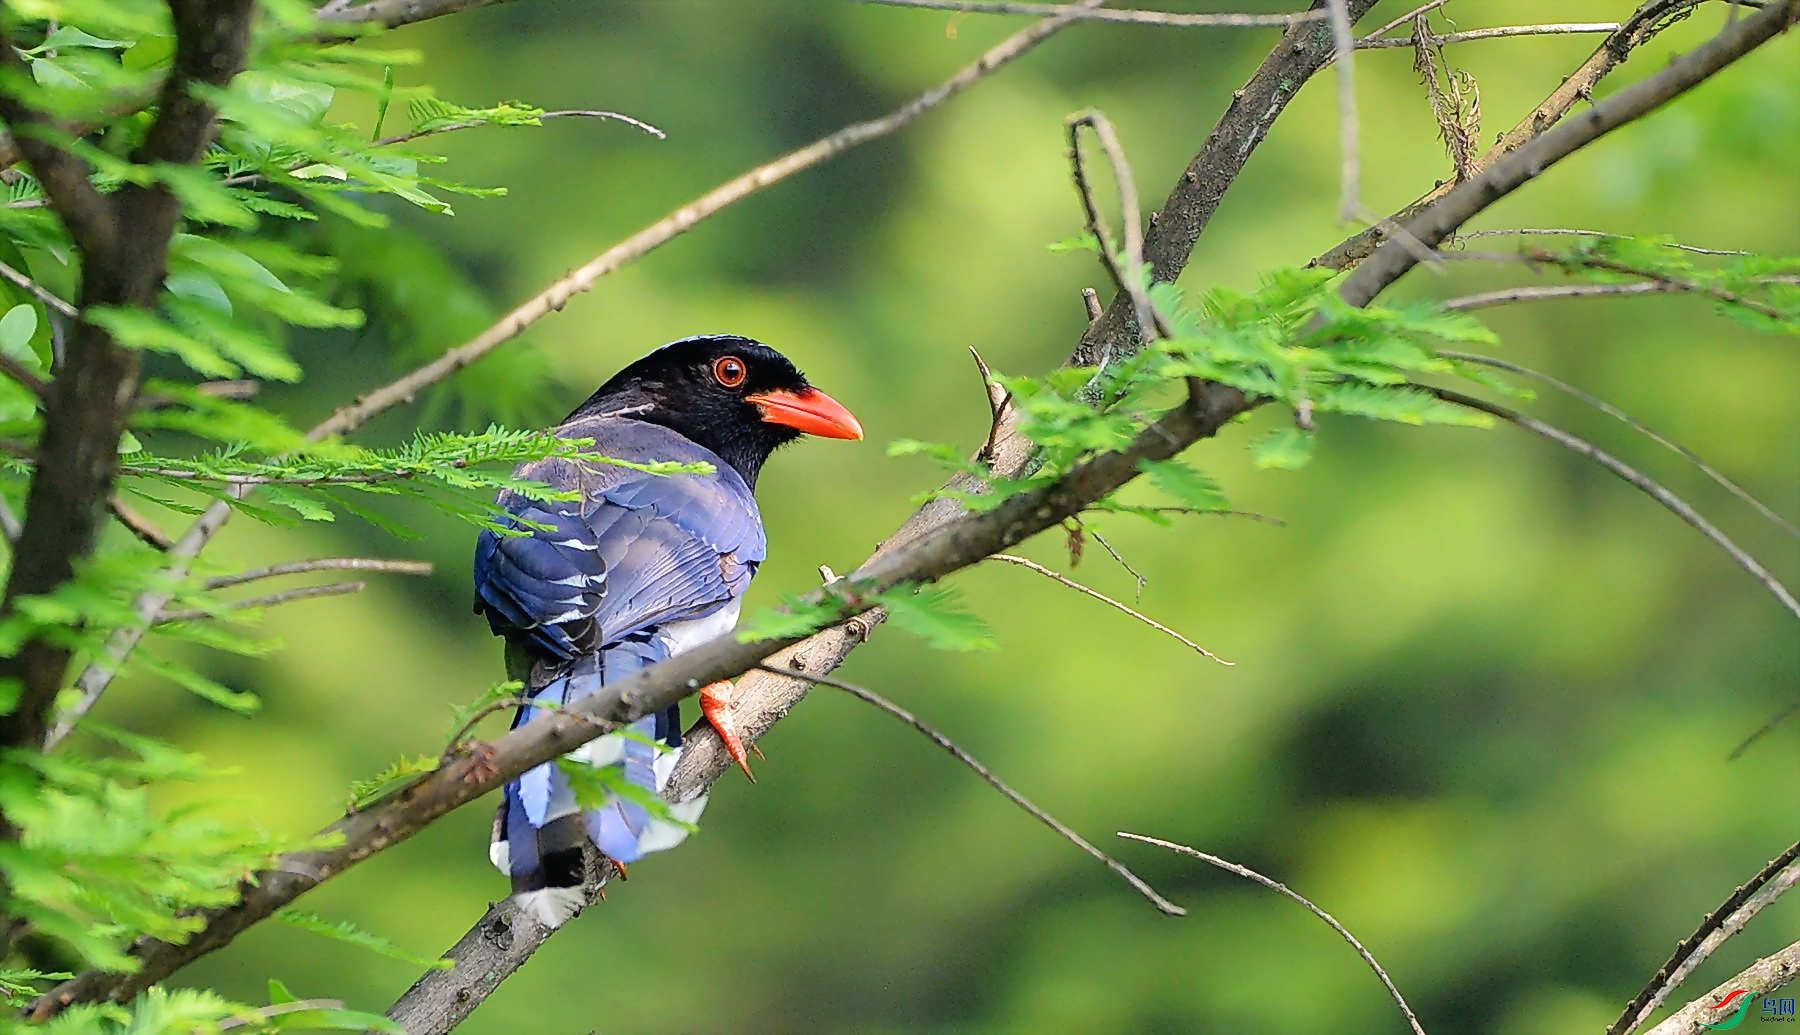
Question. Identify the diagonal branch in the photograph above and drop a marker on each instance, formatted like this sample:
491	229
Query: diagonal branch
1166	19
1057	576
1759	979
1774	880
392	14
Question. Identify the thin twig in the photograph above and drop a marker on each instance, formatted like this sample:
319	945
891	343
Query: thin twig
10	526
1051	573
612	116
1162	904
323	564
39	291
1764	730
1165	19
1127	265
1405	19
1769	884
1649	486
1565	232
138	525
1136	575
1551	292
1639	426
277	1009
330	589
1350	173
1758	979
1227	865
1496	33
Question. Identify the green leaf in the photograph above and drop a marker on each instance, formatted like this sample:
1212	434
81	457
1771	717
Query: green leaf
1286	449
16	329
350	934
70	36
1185	485
596	787
794	618
404	771
936	614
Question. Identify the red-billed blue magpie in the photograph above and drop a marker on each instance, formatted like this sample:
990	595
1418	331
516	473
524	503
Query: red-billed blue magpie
638	569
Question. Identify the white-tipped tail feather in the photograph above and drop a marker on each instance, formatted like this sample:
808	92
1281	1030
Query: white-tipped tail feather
550	907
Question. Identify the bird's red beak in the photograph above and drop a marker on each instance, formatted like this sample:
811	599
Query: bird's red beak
808	411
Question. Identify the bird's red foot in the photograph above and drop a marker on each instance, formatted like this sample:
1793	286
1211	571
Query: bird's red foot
716	700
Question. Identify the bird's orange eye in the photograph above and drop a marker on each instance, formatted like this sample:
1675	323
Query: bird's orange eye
729	370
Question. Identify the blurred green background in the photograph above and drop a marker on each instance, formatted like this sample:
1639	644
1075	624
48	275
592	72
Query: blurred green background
1484	693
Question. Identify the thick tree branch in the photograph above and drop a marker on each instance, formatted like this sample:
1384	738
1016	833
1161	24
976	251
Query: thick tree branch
1770	883
1759	979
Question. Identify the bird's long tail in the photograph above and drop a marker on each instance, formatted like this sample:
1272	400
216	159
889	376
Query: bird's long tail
542	830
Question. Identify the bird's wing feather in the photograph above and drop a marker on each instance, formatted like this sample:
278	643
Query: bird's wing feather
635	551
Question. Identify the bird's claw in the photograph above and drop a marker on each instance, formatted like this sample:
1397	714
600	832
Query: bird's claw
716	700
481	764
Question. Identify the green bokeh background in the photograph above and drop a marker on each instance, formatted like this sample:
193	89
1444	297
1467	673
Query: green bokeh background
1484	693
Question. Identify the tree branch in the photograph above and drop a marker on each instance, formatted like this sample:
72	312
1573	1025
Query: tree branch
1745	902
1166	19
394	13
1759	979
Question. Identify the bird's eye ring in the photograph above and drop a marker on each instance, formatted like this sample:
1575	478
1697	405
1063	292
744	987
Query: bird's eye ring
729	371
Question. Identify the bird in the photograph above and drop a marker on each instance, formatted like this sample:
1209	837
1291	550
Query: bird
636	569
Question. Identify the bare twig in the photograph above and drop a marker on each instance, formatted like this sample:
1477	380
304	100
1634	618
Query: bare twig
394	13
1166	19
278	1009
1644	483
1759	979
1137	576
1769	884
323	564
39	291
1051	573
1761	731
1620	415
611	116
330	589
22	374
1126	265
1408	18
137	524
1471	235
1551	292
1496	33
867	696
1227	865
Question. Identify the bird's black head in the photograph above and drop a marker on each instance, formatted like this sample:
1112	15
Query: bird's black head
735	396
